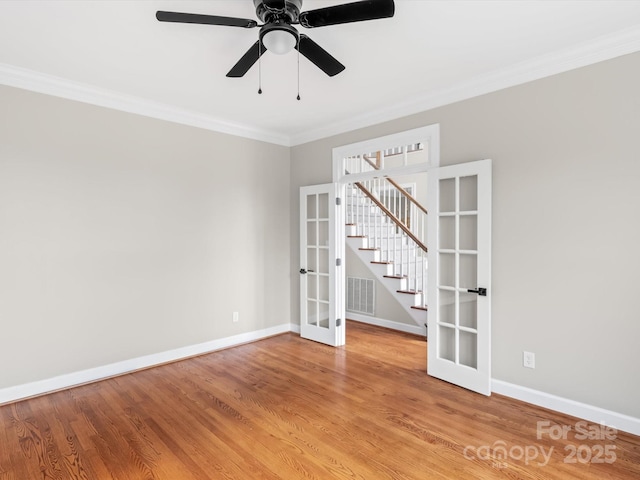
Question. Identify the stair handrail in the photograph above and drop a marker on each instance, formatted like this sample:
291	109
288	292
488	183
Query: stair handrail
391	216
396	185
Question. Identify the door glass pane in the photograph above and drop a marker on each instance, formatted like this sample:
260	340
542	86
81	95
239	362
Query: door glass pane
312	286
468	310
469	193
447	345
468	349
468	232
311	259
323	205
323	232
311	206
312	312
311	233
323	314
447	233
323	287
393	157
468	271
447	300
323	260
447	270
448	195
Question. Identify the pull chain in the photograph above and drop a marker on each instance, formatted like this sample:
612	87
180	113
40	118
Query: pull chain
298	97
260	68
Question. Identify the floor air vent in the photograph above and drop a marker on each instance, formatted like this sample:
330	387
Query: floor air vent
361	295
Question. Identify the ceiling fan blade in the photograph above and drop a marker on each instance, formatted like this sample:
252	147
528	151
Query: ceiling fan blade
247	60
274	4
348	13
319	56
204	19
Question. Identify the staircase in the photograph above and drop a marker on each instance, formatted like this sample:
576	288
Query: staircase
386	228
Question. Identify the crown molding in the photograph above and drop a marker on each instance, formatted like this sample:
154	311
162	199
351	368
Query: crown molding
598	50
60	87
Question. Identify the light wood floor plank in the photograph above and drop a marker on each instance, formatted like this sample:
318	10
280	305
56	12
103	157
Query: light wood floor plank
287	408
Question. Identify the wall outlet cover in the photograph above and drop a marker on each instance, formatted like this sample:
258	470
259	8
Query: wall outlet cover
529	359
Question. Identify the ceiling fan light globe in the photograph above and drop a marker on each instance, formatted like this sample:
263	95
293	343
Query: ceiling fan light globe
279	41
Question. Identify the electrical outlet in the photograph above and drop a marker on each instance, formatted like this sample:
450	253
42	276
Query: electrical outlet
529	359
236	317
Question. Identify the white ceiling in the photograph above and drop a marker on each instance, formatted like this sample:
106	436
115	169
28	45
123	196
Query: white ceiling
432	52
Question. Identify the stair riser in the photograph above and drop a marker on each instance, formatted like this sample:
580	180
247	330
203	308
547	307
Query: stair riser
407	255
394	284
380	220
410	300
396	243
419	316
369	256
366	242
384	229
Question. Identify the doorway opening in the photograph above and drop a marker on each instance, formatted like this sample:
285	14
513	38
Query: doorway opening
385	227
458	230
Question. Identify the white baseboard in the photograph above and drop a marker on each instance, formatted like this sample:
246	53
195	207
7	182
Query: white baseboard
617	420
584	411
381	322
19	392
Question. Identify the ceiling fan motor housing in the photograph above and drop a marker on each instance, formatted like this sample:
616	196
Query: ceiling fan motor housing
269	14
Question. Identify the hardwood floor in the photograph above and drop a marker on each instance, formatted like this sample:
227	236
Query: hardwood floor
293	409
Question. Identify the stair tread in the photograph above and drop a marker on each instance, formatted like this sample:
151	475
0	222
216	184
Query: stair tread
356	236
383	263
410	292
419	308
368	248
399	277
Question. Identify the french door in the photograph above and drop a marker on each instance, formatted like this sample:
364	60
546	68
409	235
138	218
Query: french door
321	265
459	275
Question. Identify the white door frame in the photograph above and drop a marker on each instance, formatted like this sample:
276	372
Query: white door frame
429	136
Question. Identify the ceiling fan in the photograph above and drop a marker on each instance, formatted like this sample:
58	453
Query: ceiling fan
278	34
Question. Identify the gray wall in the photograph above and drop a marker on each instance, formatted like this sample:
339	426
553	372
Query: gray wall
122	236
115	243
566	223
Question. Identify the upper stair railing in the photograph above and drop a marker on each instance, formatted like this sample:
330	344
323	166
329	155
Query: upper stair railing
395	208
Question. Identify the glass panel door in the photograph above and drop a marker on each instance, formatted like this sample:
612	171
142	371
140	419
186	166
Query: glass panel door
459	275
321	307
